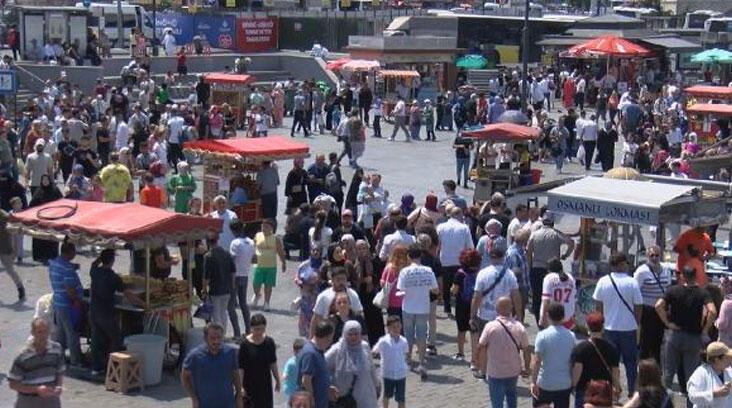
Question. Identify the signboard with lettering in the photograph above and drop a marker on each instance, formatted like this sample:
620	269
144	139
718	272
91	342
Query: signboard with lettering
619	212
218	31
181	24
256	34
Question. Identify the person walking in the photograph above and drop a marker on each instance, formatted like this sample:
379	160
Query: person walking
415	283
258	363
312	368
268	179
8	254
299	114
688	312
219	269
551	379
242	252
653	279
351	369
504	341
558	287
454	236
37	371
594	359
400	119
544	244
393	349
269	247
588	135
606	139
67	300
210	374
618	297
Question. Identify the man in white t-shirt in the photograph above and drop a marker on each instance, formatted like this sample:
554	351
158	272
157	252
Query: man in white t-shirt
339	283
618	297
653	279
121	134
520	220
226	216
175	131
242	251
415	283
454	238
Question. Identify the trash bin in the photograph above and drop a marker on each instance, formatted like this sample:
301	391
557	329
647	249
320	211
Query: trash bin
152	350
535	176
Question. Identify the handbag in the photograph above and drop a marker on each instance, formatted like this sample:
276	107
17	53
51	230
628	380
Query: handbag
205	311
347	400
381	299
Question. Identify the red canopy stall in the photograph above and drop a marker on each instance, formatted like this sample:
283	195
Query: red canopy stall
507	141
230	168
609	46
130	226
230	89
704	120
706	93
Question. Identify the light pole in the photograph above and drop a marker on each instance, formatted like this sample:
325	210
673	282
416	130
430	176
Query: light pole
525	58
155	29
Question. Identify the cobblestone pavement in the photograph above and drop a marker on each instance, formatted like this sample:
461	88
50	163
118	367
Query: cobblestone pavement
417	167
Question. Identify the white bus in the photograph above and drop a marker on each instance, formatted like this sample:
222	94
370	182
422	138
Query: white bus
696	19
104	16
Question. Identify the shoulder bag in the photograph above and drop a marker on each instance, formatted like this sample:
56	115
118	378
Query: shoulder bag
494	284
347	400
513	339
630	309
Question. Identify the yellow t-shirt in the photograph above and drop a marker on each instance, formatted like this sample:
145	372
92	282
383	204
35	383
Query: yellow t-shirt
266	250
116	181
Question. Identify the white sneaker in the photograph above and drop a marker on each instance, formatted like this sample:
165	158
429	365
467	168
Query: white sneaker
266	306
255	301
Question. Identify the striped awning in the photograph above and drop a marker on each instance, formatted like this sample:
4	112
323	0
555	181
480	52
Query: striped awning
398	73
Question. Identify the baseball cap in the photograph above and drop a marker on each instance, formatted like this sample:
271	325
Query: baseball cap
718	349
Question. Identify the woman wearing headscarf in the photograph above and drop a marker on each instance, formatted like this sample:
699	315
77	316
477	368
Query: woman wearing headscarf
181	186
407	204
351	368
352	194
568	91
368	286
278	105
420	216
10	188
43	250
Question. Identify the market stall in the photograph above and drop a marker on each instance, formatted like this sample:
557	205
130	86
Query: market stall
612	212
230	168
503	144
390	83
167	303
706	120
232	89
706	93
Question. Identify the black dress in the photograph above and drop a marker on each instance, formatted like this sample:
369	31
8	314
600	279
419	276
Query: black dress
44	250
255	360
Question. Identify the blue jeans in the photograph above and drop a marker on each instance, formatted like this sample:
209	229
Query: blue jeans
241	295
66	334
626	344
500	389
463	166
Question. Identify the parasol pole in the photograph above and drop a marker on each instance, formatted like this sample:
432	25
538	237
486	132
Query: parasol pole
189	272
147	276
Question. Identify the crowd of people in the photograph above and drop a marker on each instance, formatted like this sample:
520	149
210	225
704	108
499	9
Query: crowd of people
374	271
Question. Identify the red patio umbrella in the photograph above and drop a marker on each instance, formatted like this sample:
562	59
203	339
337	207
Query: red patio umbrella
609	45
504	132
336	65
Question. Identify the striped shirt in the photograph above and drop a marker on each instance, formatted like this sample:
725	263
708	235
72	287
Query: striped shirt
31	368
62	274
652	285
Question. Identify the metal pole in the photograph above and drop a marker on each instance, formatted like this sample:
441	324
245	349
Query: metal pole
525	58
120	28
155	29
191	245
147	276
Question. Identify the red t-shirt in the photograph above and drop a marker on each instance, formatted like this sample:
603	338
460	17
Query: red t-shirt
151	196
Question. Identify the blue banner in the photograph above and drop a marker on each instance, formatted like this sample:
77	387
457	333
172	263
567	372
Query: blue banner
218	31
181	24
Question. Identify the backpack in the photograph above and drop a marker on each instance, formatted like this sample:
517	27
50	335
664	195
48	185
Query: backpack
468	287
332	183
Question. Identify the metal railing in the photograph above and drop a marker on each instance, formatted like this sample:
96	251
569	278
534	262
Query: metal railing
31	75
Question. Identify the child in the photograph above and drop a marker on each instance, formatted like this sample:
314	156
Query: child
289	371
307	279
97	191
393	349
181	58
377	112
17	206
152	195
260	122
428	118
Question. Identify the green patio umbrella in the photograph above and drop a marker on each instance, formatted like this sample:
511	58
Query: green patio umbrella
713	55
471	61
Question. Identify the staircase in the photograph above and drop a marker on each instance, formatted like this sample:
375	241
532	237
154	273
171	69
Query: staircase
479	78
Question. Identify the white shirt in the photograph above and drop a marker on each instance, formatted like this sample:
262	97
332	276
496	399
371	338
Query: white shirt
485	279
325	300
169	44
454	237
396	238
652	285
674	136
514	226
537	93
701	385
225	236
581	85
564	293
589	131
392	350
121	135
617	316
242	250
323	242
415	282
175	124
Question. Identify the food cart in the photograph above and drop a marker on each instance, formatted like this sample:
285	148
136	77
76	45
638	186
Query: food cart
706	93
232	164
232	89
386	85
611	212
705	120
504	138
167	303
